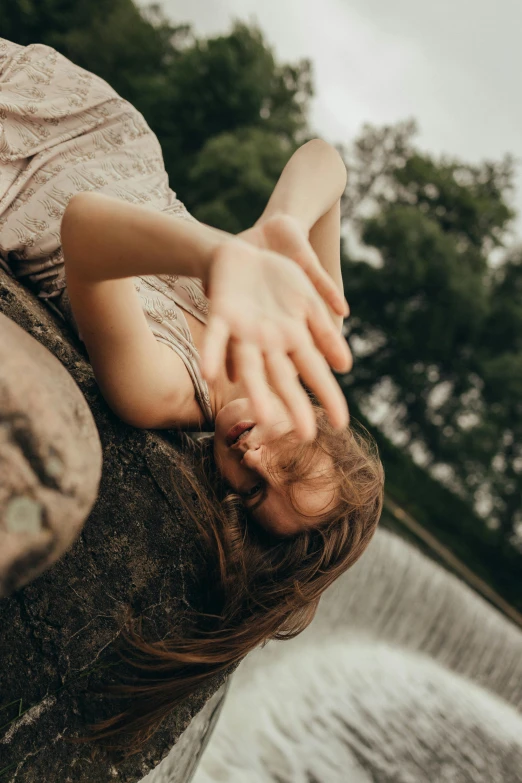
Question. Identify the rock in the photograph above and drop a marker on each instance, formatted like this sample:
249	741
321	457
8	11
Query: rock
50	458
136	550
182	761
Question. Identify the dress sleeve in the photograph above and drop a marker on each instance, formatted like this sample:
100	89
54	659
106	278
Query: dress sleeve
45	99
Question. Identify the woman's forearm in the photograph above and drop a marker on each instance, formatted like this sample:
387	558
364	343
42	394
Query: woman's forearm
312	181
106	239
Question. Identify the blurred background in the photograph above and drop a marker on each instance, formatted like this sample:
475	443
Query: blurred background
420	99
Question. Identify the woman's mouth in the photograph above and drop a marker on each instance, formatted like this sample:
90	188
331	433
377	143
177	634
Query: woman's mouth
237	430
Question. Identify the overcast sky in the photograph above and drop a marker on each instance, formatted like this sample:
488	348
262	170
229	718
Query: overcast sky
454	65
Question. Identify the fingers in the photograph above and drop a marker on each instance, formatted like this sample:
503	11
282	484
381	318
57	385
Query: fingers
213	351
328	340
257	350
249	363
327	288
281	374
315	372
254	367
293	243
293	350
309	262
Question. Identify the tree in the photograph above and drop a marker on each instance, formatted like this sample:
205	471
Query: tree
217	102
234	176
227	85
434	319
502	393
111	38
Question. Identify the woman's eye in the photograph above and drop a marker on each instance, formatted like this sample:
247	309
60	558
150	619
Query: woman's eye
252	492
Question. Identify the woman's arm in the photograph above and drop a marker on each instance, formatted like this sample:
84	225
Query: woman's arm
103	240
265	303
309	191
325	239
311	183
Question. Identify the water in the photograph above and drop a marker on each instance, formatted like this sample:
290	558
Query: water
404	676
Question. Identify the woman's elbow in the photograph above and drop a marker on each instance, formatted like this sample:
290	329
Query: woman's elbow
140	413
76	209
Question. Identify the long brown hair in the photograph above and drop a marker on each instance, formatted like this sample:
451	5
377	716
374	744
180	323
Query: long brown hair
256	586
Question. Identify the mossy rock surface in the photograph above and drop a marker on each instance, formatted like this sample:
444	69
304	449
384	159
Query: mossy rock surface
50	458
136	550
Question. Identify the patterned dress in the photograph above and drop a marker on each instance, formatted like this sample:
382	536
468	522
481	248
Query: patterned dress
64	130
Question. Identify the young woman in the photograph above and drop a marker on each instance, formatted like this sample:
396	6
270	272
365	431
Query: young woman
188	326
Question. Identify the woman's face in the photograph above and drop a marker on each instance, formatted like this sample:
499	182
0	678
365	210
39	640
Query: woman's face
242	466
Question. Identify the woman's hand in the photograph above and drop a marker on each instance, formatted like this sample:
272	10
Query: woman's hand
284	234
267	316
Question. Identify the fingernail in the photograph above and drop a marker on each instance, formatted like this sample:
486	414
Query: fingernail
346	366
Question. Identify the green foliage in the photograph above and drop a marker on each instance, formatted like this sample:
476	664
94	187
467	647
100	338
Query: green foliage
449	518
436	319
226	86
192	92
234	176
109	37
228	82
